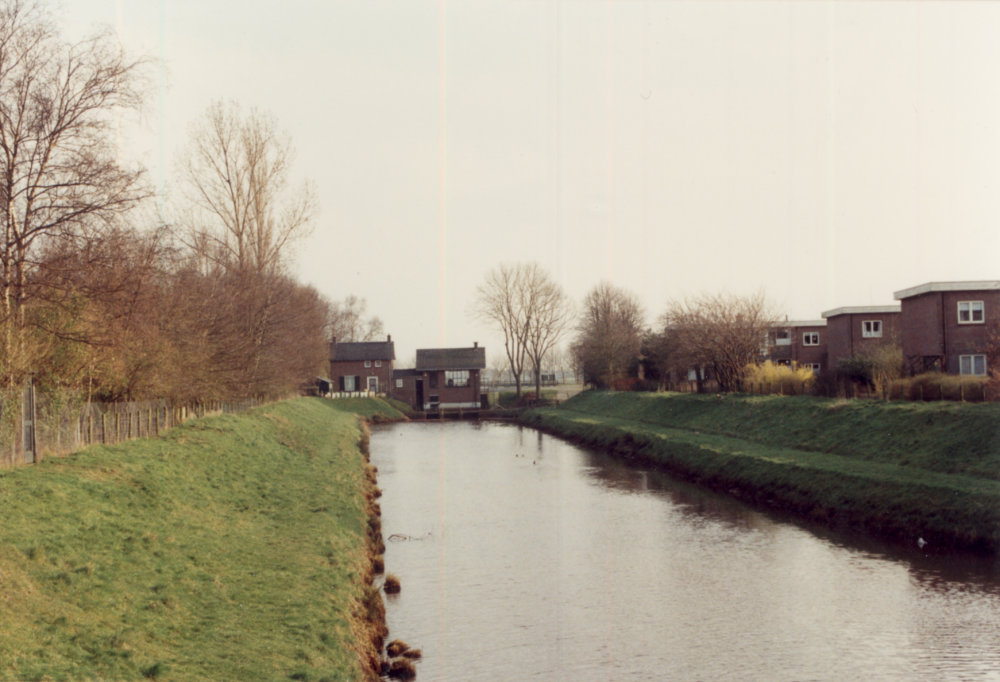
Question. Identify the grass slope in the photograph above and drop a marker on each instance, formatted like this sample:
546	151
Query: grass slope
231	548
833	461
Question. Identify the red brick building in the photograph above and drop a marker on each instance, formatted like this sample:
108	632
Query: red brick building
945	325
362	366
850	331
445	378
802	343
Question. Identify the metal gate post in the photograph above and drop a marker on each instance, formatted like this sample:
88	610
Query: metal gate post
28	421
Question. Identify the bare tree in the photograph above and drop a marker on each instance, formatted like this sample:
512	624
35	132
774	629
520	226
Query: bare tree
498	367
60	175
242	210
349	323
548	316
241	217
500	302
721	331
609	334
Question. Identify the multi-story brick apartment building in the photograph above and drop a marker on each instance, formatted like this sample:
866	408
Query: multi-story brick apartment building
362	366
852	330
802	343
945	325
445	378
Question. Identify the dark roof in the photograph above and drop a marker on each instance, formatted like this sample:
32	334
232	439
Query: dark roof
367	350
451	358
400	373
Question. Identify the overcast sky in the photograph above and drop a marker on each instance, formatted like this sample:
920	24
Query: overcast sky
831	153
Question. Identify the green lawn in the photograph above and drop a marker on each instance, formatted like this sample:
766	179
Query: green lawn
231	548
834	461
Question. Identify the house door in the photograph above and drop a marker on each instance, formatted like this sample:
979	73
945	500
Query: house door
373	384
420	394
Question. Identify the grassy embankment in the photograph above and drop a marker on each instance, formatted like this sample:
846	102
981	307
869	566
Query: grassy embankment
235	547
900	470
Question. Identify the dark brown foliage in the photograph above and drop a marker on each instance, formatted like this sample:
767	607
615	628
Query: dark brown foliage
396	648
391	584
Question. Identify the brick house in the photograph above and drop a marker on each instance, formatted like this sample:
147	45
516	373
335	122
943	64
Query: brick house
362	366
945	325
802	343
852	330
445	378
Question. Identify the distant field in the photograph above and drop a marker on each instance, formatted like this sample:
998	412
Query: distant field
901	470
232	548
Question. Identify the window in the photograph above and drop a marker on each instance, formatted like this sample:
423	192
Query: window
399	383
970	312
972	364
378	363
368	363
810	339
783	337
348	384
871	328
460	378
814	366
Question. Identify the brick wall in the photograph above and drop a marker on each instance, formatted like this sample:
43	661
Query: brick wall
807	355
845	335
357	368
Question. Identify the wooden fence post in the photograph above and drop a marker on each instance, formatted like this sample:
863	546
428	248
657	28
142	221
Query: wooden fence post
104	428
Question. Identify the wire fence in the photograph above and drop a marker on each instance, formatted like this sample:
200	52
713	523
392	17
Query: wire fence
35	425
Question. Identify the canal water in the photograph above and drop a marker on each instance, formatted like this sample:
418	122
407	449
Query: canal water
524	557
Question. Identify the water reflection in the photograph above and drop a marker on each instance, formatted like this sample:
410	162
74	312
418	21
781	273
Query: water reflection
545	560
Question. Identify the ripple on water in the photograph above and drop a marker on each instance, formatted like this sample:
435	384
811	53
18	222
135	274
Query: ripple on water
582	568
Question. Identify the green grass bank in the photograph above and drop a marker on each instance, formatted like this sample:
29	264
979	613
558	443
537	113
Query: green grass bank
235	547
900	470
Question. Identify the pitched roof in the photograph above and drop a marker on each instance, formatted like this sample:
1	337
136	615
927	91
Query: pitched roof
451	358
366	350
400	373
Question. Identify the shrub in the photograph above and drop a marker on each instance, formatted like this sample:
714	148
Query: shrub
856	368
778	378
937	386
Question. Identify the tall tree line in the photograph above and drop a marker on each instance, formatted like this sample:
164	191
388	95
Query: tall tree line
100	296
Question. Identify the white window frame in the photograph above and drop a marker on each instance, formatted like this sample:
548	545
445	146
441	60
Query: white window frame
378	363
810	338
814	366
399	383
453	377
349	383
871	332
970	362
972	308
783	337
368	363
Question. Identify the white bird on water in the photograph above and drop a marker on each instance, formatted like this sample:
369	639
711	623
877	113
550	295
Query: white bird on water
921	542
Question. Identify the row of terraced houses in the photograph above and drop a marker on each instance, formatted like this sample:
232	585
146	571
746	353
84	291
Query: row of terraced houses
942	326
